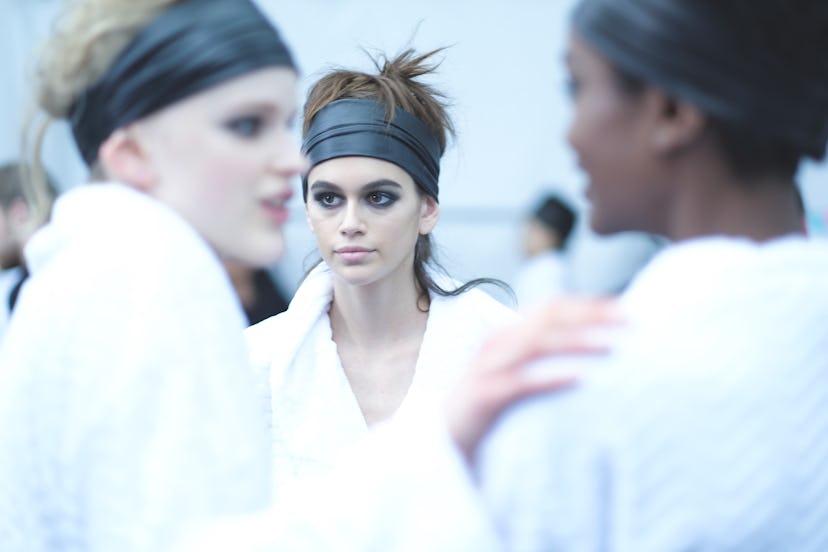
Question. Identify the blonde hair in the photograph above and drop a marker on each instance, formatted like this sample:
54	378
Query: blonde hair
88	36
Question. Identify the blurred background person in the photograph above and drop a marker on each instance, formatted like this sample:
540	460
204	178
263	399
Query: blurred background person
544	273
20	218
127	404
260	296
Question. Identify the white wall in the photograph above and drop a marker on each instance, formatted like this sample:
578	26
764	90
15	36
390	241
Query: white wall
504	72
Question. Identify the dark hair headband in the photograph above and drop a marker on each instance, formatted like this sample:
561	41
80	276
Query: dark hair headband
191	46
692	51
359	127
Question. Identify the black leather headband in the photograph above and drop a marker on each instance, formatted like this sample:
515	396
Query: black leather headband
358	127
191	46
691	50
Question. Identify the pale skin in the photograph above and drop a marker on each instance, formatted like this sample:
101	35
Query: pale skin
366	215
222	158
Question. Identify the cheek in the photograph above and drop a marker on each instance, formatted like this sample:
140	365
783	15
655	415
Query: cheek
573	133
586	116
403	231
323	225
227	176
232	165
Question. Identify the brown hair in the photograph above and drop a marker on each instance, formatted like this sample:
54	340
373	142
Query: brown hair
396	84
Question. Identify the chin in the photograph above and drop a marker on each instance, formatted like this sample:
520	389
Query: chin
354	276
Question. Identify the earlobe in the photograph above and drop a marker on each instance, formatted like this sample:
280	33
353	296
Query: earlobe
429	214
125	160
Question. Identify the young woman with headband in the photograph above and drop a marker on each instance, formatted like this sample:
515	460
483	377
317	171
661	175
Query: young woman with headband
125	387
376	329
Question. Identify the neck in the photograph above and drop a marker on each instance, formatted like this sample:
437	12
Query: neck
716	203
377	314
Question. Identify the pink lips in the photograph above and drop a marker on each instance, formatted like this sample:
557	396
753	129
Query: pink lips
276	207
353	254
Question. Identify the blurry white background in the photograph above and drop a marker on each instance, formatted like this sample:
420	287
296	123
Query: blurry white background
503	71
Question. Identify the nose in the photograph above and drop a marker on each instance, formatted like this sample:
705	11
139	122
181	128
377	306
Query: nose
352	223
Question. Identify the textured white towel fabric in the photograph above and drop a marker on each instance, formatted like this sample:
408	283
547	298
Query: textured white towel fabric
403	488
125	394
315	415
707	429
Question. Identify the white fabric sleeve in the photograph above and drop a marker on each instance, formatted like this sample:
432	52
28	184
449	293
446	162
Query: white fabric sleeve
404	488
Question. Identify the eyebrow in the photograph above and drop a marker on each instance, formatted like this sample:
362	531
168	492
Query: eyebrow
326	186
261	107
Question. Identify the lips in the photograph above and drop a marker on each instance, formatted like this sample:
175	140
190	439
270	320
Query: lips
276	207
352	254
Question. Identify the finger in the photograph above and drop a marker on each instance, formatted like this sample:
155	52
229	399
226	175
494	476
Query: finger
528	388
511	354
577	311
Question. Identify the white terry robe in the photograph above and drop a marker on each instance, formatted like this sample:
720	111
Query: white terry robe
126	411
705	429
315	415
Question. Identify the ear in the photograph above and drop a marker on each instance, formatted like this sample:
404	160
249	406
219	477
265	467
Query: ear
677	124
124	158
429	214
18	213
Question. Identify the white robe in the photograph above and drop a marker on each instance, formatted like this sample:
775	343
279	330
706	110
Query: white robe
404	488
315	415
707	428
125	390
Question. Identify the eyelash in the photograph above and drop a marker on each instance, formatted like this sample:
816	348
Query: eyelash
376	199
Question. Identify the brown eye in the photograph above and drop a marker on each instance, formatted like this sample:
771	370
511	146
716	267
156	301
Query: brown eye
381	199
327	200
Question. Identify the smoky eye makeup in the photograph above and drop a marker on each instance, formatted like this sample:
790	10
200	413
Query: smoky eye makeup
327	200
325	194
381	198
382	193
245	126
